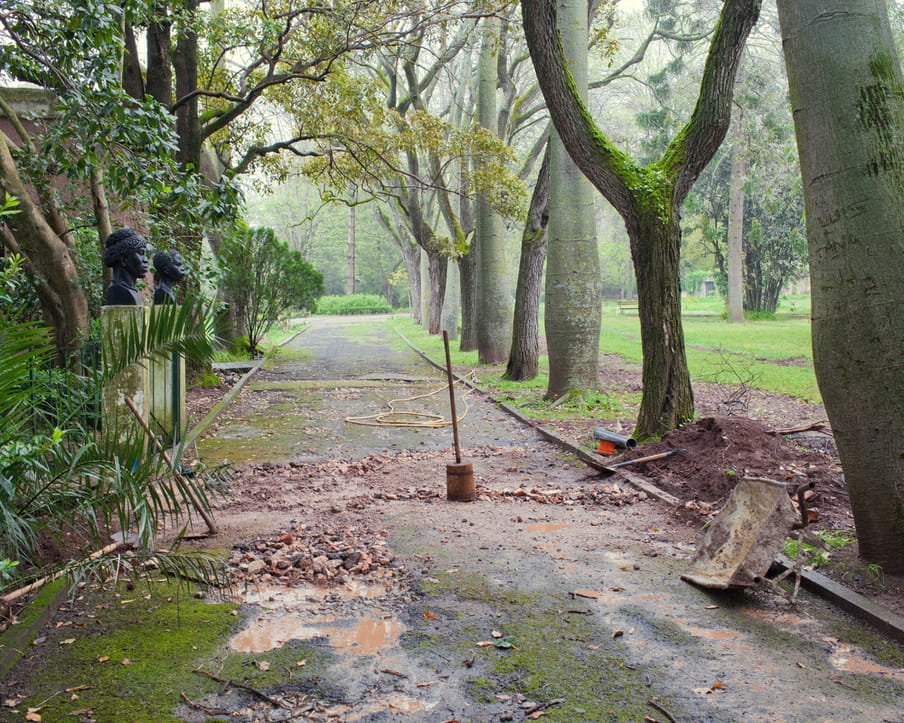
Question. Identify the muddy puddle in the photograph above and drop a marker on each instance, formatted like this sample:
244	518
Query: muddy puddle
298	614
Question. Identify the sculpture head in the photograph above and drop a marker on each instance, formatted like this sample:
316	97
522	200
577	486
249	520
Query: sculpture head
169	266
125	253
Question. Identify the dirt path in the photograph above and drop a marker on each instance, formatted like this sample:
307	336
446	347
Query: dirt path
587	594
393	604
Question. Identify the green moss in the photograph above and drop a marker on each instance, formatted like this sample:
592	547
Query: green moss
592	677
481	689
131	654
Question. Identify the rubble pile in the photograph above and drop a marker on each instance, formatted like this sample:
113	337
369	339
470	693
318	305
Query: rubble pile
611	495
308	556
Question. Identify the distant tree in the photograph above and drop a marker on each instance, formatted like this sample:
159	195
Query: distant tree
266	279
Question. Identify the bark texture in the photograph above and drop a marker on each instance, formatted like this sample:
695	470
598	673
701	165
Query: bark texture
494	315
524	356
847	95
573	283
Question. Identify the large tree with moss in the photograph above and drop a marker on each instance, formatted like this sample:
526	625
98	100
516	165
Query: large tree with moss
648	197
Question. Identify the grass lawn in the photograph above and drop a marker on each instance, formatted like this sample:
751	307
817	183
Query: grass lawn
772	355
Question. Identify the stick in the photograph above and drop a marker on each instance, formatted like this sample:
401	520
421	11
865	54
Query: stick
452	397
241	686
211	525
16	594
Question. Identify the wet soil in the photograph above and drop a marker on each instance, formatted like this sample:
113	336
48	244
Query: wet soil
556	594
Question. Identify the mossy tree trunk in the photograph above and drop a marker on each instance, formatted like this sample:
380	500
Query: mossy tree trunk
647	197
667	401
847	97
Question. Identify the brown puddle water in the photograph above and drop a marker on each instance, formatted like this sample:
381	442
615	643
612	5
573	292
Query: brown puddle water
397	702
290	614
546	526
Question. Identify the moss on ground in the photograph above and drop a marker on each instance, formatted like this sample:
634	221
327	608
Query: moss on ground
557	653
132	655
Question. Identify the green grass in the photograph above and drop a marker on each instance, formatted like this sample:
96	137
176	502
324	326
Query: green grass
774	356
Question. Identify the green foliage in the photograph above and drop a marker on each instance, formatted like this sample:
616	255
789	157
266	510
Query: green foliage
818	550
266	280
6	567
353	304
62	479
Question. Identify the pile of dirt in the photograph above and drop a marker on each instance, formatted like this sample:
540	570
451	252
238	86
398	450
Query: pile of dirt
721	450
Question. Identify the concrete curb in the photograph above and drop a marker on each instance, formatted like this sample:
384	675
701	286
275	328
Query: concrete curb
16	638
887	622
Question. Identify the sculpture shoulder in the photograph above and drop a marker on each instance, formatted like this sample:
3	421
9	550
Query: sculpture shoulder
121	295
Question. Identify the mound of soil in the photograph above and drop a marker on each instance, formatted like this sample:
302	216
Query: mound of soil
721	450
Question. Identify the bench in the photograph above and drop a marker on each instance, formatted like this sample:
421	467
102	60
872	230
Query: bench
628	305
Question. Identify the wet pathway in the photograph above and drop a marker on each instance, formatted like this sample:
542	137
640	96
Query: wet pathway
513	608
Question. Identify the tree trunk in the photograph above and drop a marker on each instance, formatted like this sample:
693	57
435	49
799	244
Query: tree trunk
647	197
159	83
735	264
847	97
524	357
350	252
573	284
493	320
668	400
467	273
436	268
451	300
50	256
735	240
185	67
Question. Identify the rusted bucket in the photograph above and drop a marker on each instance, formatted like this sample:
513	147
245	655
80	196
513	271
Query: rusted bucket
460	482
739	546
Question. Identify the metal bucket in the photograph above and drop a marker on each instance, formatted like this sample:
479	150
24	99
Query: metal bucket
740	544
460	482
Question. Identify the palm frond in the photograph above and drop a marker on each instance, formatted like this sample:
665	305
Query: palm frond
189	329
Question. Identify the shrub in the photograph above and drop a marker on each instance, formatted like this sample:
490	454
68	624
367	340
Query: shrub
265	279
353	304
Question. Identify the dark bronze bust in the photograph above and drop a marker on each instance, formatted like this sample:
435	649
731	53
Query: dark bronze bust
169	270
125	254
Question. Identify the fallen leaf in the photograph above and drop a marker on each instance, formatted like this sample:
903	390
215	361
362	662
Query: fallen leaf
103	658
67	641
33	715
126	661
12	702
718	684
496	634
485	644
536	714
301	663
429	616
592	594
78	687
618	634
507	642
425	685
712	607
594	647
262	664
